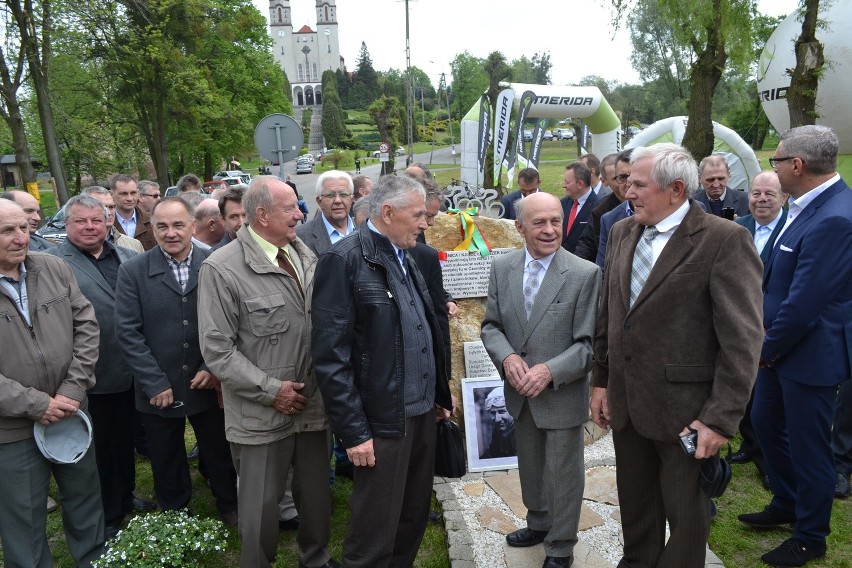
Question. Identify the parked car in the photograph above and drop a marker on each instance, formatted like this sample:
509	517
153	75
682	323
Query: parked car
303	166
171	191
527	135
548	135
308	157
564	133
211	186
235	180
54	227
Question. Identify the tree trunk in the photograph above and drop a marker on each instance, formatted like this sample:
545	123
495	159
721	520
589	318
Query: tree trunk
208	165
38	62
705	76
19	142
801	97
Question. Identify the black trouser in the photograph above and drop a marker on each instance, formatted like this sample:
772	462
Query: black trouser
171	468
112	422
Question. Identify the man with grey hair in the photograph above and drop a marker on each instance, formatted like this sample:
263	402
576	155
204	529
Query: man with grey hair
334	196
95	262
379	359
807	347
255	331
104	196
538	329
720	200
187	183
149	195
32	208
670	272
209	226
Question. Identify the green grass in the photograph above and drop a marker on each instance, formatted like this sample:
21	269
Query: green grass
433	551
741	547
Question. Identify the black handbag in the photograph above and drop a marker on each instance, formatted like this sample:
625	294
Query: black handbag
449	450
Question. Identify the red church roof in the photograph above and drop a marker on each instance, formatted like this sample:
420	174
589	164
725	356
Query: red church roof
306	29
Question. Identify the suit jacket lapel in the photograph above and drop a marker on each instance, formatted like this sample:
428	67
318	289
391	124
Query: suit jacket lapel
624	261
516	286
198	258
679	247
75	257
158	265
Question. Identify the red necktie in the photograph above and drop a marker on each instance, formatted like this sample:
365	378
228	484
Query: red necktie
571	217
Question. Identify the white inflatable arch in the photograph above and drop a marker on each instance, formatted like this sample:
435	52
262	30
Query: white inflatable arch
740	157
551	101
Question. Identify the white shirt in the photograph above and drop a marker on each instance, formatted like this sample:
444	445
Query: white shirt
796	206
545	264
582	201
763	232
128	225
597	188
666	229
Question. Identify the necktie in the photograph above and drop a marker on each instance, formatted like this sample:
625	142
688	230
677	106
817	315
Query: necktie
285	264
571	216
531	287
643	261
400	255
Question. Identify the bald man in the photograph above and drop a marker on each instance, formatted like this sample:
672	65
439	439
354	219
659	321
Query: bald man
32	209
209	226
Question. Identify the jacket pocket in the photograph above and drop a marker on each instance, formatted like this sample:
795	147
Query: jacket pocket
689	373
266	315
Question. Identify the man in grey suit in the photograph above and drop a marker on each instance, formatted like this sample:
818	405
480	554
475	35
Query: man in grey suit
538	329
334	197
160	342
95	262
675	351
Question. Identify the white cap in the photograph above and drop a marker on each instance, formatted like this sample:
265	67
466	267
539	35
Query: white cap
65	441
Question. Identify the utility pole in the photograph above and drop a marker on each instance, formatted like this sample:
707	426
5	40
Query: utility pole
443	86
409	99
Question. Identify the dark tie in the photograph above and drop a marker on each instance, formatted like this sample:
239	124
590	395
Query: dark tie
285	264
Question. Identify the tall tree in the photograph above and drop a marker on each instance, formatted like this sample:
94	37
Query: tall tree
12	63
35	23
469	82
388	113
718	34
365	86
333	121
802	95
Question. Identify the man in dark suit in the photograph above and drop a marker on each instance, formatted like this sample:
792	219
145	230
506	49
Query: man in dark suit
577	204
587	248
713	171
334	198
595	166
538	329
232	213
807	348
620	211
130	220
765	222
675	351
528	182
95	262
157	326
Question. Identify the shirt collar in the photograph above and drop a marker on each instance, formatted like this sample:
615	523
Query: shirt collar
673	220
270	250
583	198
721	197
771	225
544	261
373	228
597	188
170	258
331	229
804	200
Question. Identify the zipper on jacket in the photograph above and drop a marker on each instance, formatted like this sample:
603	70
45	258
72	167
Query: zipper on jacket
45	381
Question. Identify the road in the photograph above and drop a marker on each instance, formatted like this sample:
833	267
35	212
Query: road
306	183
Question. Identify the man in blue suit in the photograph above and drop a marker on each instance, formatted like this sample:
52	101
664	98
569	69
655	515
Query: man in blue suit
528	182
807	349
765	222
577	204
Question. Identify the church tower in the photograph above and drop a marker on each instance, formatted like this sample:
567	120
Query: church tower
305	54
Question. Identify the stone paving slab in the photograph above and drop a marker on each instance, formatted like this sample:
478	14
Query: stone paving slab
533	557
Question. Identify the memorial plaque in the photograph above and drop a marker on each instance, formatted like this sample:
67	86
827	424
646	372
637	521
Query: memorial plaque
466	272
477	363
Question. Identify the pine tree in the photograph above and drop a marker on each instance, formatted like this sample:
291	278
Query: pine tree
365	87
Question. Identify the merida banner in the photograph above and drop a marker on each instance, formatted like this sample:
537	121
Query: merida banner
484	131
535	145
524	105
502	116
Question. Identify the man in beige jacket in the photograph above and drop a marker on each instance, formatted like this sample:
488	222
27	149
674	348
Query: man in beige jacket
255	328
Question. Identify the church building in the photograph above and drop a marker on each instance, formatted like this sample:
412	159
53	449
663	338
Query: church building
305	54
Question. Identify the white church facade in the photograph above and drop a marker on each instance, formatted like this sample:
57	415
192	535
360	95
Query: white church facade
305	54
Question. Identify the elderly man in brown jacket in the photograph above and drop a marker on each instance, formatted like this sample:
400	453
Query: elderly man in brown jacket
50	346
678	337
255	328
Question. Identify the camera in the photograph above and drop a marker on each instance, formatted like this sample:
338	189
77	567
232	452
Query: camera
689	442
728	213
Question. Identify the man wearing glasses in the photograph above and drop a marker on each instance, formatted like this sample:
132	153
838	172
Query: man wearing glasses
334	197
149	195
807	347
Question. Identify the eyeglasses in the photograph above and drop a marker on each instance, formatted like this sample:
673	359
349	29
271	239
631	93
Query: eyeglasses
336	194
774	161
154	195
622	178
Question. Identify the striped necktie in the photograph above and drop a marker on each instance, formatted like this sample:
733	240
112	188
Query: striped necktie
643	262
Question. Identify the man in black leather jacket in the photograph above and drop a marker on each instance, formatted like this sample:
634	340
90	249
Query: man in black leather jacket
379	358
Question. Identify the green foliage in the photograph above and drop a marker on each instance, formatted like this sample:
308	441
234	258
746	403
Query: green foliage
365	85
333	121
469	82
170	538
535	71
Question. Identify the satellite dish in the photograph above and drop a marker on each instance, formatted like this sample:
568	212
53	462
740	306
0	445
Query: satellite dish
278	138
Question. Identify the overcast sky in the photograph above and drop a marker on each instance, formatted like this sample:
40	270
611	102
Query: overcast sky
577	34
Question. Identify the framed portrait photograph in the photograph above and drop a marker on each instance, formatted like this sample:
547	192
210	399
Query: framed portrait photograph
489	428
